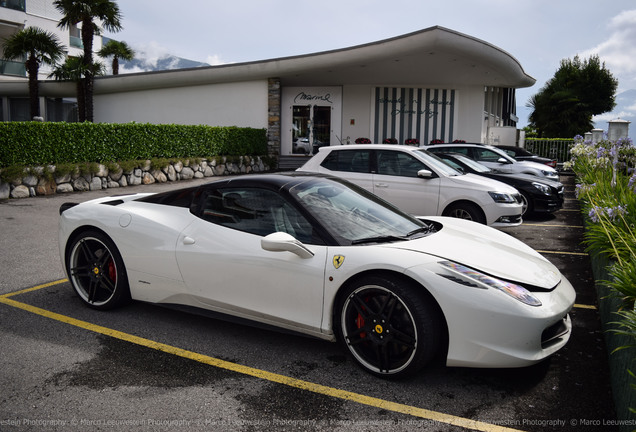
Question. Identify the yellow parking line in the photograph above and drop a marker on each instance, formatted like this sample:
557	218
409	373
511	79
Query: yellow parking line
563	253
550	225
257	373
582	306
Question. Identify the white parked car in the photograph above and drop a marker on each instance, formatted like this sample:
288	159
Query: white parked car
323	257
420	183
496	159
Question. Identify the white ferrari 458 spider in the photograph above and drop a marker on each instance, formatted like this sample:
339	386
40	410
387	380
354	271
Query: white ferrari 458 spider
321	256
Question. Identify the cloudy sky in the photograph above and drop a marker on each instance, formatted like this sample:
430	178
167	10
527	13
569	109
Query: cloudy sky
538	33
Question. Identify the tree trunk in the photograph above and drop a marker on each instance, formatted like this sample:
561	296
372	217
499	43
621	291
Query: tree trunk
34	94
115	65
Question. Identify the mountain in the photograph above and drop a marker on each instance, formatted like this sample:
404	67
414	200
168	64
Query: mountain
151	58
164	62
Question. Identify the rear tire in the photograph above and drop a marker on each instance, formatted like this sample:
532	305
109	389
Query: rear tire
389	328
96	271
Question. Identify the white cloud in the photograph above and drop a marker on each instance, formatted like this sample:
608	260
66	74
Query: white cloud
618	51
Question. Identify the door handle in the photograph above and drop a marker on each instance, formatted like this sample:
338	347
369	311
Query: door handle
188	240
382	185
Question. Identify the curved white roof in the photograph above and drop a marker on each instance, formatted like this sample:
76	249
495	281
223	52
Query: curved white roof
435	56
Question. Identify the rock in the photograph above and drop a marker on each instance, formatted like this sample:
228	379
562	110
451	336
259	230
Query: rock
187	173
95	184
20	192
63	179
170	173
80	184
30	181
112	184
123	181
209	172
178	166
147	179
116	175
159	176
64	188
46	187
5	190
134	180
102	171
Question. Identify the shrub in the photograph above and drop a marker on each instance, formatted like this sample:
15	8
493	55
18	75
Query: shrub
36	143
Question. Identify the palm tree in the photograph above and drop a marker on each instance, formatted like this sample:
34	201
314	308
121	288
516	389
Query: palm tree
118	50
75	70
38	47
86	12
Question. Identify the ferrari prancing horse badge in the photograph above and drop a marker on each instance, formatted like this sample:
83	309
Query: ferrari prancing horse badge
338	260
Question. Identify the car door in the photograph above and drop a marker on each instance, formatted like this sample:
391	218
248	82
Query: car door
353	165
397	182
225	268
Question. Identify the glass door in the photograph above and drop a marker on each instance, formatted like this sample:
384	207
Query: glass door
311	128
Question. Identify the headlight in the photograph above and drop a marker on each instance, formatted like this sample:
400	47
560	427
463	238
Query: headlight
549	173
500	197
542	187
481	280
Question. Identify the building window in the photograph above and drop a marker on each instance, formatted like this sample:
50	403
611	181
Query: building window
14	4
414	113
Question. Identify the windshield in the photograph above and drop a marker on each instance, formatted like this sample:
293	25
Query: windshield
353	216
476	166
436	162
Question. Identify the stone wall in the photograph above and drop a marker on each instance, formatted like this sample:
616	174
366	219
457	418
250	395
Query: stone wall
36	183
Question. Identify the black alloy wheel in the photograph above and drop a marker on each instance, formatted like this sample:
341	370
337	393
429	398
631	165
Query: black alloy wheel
96	271
387	327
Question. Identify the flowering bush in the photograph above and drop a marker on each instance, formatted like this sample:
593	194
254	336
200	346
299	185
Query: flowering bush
390	141
437	141
458	141
363	141
412	141
607	191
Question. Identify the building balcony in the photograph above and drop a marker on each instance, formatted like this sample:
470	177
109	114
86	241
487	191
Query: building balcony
19	5
12	68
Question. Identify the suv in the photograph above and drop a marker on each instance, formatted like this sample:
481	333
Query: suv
420	183
496	159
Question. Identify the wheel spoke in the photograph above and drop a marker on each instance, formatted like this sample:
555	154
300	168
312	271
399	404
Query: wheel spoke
81	270
384	358
361	306
88	253
403	339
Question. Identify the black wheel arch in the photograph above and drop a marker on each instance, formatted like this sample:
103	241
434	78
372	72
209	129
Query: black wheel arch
468	203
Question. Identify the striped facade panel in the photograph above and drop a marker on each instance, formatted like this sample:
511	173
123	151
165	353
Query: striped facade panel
413	113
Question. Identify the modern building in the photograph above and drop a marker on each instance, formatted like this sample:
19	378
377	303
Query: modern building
16	15
432	84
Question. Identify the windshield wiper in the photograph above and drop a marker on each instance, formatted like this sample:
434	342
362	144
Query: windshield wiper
378	239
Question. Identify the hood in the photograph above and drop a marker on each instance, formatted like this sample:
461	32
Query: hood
481	183
487	250
537	165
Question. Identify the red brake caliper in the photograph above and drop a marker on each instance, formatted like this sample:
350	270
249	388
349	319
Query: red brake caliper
112	270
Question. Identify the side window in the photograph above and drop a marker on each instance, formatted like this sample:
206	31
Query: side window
460	150
348	161
398	164
486	155
255	211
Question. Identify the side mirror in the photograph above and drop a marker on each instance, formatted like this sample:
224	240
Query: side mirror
283	242
423	173
503	161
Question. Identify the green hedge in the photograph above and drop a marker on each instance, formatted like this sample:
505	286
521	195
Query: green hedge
34	143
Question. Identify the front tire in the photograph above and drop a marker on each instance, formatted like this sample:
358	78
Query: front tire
467	211
96	271
389	328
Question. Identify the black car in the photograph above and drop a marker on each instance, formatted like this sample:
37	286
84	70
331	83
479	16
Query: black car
540	195
524	155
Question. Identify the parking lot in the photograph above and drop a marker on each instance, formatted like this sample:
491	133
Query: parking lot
66	367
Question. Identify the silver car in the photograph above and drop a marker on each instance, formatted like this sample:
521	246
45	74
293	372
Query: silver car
496	159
